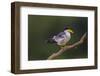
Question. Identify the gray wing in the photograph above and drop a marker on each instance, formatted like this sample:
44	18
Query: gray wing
60	35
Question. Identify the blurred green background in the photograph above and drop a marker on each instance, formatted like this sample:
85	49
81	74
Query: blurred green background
40	28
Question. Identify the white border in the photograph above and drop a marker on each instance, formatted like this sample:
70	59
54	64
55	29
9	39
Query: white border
25	64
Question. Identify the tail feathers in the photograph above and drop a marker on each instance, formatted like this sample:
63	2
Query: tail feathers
50	40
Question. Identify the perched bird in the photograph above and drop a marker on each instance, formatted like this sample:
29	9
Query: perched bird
61	38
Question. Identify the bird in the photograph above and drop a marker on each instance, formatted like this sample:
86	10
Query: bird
62	38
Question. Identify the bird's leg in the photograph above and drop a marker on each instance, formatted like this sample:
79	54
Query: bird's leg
62	46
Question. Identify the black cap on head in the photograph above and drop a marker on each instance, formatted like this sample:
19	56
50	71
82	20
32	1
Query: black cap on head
66	28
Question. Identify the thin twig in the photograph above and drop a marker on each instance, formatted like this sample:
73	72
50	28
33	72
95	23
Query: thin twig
66	48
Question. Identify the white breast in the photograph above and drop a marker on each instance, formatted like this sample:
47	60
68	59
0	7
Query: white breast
63	41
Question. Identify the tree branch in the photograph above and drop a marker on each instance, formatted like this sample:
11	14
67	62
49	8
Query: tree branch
66	48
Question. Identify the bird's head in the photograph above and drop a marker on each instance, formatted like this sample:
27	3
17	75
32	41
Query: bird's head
69	30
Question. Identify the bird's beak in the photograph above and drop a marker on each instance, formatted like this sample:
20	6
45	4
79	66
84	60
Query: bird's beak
71	31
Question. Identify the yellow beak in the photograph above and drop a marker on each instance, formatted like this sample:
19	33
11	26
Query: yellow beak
70	30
